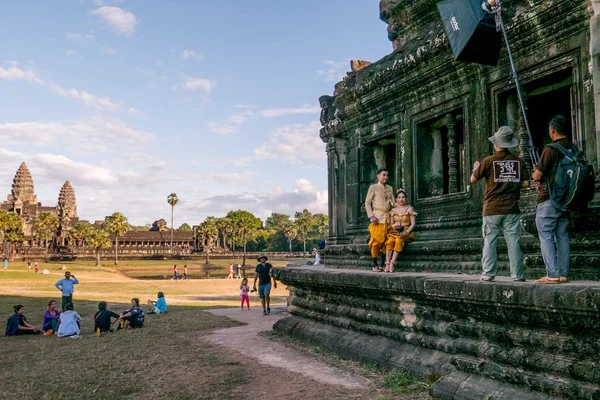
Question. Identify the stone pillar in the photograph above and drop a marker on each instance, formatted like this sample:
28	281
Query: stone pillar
524	139
452	155
595	56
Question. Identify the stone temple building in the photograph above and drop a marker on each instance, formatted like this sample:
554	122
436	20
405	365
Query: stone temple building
427	118
23	201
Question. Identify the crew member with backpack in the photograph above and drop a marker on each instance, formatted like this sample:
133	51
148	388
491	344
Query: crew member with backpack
566	182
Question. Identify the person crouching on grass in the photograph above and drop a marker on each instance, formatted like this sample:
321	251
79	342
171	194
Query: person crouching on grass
244	289
103	319
159	306
134	317
263	275
69	323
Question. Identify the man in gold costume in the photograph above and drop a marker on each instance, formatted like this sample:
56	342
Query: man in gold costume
379	199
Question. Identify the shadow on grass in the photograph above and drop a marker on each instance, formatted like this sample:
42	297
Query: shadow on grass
161	360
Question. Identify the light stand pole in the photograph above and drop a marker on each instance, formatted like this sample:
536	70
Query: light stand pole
496	8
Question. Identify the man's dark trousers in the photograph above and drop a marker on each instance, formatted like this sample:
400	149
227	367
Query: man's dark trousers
66	300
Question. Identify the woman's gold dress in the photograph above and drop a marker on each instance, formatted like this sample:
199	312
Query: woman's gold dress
395	241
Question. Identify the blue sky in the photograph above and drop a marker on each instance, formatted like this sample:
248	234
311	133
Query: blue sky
214	100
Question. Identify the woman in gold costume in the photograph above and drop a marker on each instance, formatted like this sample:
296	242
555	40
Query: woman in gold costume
402	224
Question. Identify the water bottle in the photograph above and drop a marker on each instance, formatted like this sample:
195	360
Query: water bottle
97	331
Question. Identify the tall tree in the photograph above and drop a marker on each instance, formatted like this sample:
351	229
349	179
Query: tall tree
246	224
185	227
98	240
210	233
78	233
277	222
172	199
11	230
320	226
225	226
304	222
118	225
291	233
46	224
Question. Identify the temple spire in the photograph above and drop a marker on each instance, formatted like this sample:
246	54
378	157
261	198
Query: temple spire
22	188
67	206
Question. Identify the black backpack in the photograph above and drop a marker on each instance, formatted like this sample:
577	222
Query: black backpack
572	187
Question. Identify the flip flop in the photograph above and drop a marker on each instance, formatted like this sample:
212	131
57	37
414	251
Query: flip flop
547	280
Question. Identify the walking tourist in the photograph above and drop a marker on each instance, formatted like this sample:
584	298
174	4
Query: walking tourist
551	221
28	266
379	199
244	293
175	273
159	306
230	276
5	264
17	324
104	319
185	272
263	275
66	287
504	175
37	267
51	317
134	317
402	224
69	323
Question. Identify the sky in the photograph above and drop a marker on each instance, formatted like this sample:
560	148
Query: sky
215	100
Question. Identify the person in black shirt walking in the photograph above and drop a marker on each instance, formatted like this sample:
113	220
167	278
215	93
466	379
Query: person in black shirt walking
263	275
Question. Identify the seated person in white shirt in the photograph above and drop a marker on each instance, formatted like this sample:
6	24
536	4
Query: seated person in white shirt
69	323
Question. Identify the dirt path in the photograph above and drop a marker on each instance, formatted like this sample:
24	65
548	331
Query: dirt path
281	372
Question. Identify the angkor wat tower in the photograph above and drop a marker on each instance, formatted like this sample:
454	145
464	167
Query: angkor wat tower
23	201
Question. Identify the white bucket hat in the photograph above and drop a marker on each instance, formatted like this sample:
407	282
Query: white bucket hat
504	138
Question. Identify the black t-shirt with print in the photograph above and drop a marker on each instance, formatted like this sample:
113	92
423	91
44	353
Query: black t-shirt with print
264	273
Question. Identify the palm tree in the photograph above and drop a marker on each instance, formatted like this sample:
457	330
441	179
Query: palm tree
172	199
304	222
117	225
224	224
290	232
209	232
11	231
246	225
78	233
46	223
98	240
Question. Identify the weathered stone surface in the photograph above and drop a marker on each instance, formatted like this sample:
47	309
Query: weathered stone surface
503	337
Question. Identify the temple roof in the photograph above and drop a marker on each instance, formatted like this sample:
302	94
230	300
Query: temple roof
22	188
67	194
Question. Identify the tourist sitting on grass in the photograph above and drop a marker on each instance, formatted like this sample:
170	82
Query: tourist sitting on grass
103	319
69	323
51	317
134	317
159	306
17	324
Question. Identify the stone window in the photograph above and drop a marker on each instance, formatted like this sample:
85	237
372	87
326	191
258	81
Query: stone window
440	155
545	97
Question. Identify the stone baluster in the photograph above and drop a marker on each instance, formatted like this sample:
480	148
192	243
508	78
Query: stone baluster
452	154
524	138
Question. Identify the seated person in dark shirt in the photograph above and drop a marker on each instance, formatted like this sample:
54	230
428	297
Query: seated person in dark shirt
103	318
134	317
17	324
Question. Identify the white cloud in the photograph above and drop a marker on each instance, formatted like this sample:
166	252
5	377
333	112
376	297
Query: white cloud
14	74
292	143
277	112
79	37
109	51
70	52
151	74
222	129
191	55
133	111
334	71
206	85
89	135
89	99
121	21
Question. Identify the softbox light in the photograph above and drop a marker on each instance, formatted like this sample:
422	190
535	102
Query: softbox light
471	31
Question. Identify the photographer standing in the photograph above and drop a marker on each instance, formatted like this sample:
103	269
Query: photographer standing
66	287
263	275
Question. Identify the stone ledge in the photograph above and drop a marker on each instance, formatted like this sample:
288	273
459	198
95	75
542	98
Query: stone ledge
501	337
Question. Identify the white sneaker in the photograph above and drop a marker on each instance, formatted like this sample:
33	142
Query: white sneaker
75	337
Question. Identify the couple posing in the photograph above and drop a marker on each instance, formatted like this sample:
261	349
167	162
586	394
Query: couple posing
392	222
